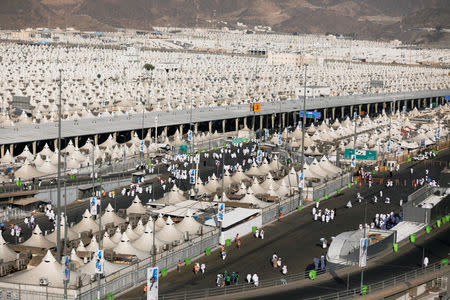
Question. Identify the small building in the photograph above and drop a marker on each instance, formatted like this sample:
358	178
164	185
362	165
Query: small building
312	91
285	58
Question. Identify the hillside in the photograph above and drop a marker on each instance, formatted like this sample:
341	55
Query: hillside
373	19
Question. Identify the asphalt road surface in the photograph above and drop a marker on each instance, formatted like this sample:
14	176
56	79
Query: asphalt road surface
296	237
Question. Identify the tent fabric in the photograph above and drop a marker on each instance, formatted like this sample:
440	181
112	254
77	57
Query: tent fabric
145	241
87	223
125	247
136	207
169	233
5	252
38	240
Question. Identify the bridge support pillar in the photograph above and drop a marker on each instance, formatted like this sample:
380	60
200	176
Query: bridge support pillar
359	109
165	130
149	133
253	122
324	114
181	129
283	120
376	108
413	103
399	106
210	127
333	113
392	105
55	143
273	121
2	150
95	139
11	149
131	135
342	112
223	125
76	139
33	146
368	109
351	112
196	128
261	121
245	122
236	121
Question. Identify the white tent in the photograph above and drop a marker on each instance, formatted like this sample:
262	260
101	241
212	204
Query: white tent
139	229
110	217
87	223
80	247
257	188
145	241
169	233
27	172
107	243
93	245
136	207
108	268
125	247
251	199
50	269
71	235
270	182
174	196
160	222
117	236
189	224
254	171
132	236
5	252
213	184
38	240
74	258
239	176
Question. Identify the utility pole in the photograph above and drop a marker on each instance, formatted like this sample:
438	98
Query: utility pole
58	203
302	159
65	220
223	190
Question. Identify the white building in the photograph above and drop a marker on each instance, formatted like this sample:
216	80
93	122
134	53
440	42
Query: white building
285	58
312	91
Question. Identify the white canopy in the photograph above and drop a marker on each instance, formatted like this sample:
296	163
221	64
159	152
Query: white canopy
87	223
125	247
5	252
38	240
145	241
189	224
169	233
110	217
136	207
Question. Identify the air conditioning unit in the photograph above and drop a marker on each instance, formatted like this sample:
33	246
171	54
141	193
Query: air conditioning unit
43	281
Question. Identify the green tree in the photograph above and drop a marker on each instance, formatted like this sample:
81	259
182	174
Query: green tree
149	67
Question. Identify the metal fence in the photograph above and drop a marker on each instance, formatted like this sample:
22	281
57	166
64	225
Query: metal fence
12	214
330	187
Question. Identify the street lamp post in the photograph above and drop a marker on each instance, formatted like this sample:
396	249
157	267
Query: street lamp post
58	203
302	159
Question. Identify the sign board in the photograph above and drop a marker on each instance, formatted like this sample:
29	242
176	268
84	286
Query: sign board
363	244
266	133
256	107
190	135
361	154
152	283
447	97
279	140
311	114
220	212
192	176
93	206
353	163
99	262
66	269
301	181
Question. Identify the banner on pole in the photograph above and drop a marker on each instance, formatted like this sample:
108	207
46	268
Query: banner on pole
220	212
66	268
152	283
363	244
93	206
99	262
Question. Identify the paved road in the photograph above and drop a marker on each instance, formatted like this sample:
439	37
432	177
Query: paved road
435	249
296	237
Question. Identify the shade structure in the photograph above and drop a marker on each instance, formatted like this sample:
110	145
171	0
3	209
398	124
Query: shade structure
140	228
26	154
116	236
108	268
251	199
81	247
257	188
93	245
264	168
324	163
239	176
125	247
160	222
46	151
270	182
227	179
291	179
189	224
242	189
7	158
132	236
174	196
213	184
275	164
314	167
145	241
110	217
5	252
27	171
169	233
4	178
50	269
71	235
255	171
47	167
38	162
283	190
107	243
87	223
308	174
75	258
136	207
38	240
